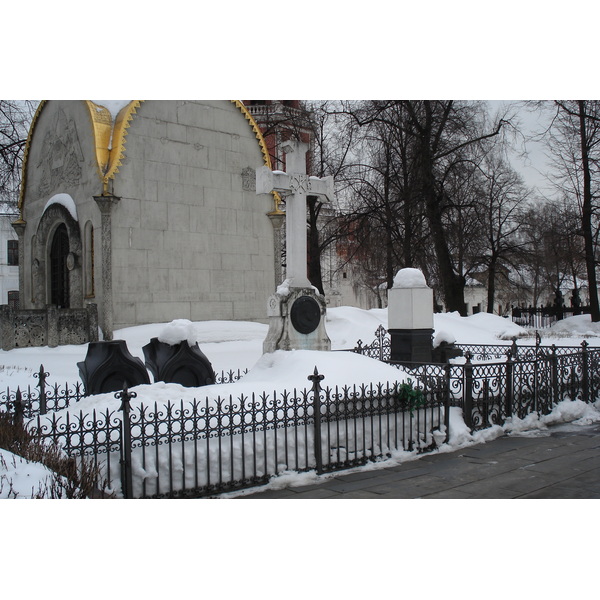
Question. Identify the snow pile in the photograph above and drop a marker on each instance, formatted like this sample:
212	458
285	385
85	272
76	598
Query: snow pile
273	373
443	337
290	370
284	288
346	325
578	325
409	278
175	332
20	478
482	328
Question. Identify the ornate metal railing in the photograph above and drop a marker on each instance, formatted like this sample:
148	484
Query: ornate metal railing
545	316
200	448
45	397
380	348
203	448
498	381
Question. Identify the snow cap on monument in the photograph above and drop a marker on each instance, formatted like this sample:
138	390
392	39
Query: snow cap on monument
409	278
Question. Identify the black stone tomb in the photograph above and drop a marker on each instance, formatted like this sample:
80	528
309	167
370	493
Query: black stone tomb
108	366
178	363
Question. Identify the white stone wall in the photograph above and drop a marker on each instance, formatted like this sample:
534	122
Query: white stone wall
62	141
188	241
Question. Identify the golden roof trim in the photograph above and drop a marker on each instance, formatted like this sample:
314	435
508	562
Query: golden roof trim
102	132
263	147
109	156
119	133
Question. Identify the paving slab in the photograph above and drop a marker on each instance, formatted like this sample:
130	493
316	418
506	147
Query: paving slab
563	463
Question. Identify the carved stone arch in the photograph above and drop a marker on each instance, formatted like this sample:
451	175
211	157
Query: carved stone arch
52	219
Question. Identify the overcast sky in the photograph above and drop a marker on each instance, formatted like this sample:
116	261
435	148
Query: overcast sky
533	167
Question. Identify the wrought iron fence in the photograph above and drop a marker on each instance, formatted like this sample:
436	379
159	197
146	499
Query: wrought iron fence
380	348
207	447
45	397
201	448
545	316
503	380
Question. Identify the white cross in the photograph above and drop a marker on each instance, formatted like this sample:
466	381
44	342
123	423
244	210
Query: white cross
295	186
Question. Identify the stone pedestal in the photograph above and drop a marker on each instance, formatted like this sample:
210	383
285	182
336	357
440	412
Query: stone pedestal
410	320
296	321
411	345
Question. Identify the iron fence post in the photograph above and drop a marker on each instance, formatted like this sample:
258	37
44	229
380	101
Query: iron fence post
42	385
468	391
447	402
554	374
508	407
585	375
316	393
126	475
18	406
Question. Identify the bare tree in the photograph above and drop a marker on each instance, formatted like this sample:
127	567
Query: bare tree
574	142
15	118
503	198
439	135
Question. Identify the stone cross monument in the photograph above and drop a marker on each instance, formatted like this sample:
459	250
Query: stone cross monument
296	311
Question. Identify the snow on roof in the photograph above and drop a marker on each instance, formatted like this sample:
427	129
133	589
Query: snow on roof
113	106
64	200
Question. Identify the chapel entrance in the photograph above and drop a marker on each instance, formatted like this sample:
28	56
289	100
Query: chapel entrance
59	272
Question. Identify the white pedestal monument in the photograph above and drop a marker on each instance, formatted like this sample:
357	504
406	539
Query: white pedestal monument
296	311
410	317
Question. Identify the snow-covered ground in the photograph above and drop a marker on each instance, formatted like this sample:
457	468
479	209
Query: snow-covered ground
238	345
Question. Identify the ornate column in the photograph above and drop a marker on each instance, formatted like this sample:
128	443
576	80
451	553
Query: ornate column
105	204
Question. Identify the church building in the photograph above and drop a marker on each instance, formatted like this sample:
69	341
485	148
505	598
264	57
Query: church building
147	210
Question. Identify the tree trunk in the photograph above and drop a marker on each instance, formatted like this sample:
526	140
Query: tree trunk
315	275
491	286
586	221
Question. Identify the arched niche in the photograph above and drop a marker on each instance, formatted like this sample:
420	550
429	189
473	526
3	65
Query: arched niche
57	252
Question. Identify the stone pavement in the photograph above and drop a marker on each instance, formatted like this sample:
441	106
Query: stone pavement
562	462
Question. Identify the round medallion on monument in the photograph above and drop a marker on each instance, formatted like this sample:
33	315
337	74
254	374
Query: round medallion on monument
305	314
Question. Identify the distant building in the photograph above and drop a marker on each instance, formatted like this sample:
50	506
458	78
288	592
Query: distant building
9	262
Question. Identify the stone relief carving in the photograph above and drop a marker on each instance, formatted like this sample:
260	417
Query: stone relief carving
30	331
249	179
73	327
61	158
